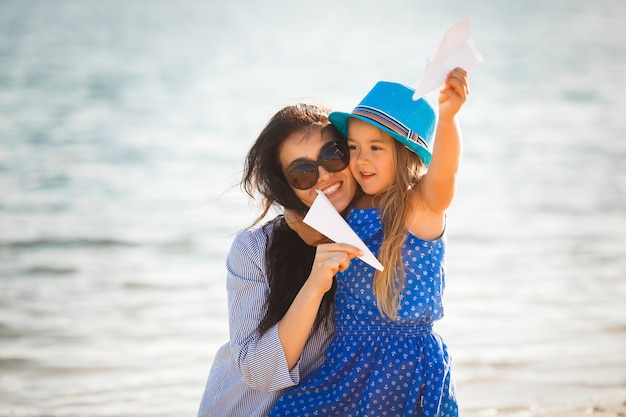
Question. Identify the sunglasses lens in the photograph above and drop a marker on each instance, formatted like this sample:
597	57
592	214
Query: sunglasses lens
303	176
334	158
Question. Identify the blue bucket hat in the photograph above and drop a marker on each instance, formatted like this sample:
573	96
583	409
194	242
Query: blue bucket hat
390	107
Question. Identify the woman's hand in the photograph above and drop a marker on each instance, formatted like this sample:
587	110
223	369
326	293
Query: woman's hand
330	258
454	93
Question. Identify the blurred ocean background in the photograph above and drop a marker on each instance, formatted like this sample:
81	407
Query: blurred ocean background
123	128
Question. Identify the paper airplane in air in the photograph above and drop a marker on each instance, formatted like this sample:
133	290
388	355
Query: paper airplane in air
456	49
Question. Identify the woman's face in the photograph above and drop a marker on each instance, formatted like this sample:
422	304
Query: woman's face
339	187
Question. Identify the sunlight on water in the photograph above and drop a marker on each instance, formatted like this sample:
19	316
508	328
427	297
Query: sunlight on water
122	136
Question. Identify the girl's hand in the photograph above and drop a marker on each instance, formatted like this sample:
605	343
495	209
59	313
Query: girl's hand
453	94
330	258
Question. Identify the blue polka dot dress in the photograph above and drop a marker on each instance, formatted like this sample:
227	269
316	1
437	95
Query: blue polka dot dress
376	366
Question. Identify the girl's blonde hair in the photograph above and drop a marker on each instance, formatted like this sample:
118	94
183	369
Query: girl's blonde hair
395	203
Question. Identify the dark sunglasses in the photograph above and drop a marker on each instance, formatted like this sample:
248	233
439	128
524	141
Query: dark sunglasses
304	173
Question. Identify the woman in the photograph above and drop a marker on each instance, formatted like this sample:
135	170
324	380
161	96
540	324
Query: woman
279	287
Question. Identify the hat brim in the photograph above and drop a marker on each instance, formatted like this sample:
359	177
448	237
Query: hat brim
340	121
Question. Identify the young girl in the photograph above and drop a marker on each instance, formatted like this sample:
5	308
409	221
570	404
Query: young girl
385	358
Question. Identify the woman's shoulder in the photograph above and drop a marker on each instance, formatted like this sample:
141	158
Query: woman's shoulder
256	235
247	251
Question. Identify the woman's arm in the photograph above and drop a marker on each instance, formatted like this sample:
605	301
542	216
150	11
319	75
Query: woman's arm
260	359
294	328
269	362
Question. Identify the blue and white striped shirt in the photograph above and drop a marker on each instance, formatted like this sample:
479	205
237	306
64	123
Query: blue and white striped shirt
250	372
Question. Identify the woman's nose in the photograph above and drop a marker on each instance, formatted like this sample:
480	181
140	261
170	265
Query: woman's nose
324	174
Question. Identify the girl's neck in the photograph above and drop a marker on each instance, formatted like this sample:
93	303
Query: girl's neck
366	201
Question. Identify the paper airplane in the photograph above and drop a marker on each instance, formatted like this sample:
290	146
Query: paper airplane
456	49
324	218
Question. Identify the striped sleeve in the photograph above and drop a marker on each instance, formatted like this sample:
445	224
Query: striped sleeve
260	360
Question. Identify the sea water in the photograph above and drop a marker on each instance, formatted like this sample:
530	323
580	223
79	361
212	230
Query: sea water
123	128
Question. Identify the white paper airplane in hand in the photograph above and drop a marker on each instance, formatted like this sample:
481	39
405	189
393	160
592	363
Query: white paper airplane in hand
456	49
324	218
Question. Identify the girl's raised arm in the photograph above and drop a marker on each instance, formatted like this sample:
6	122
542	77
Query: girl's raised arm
438	185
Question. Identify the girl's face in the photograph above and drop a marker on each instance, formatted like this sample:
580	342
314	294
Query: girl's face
339	187
371	156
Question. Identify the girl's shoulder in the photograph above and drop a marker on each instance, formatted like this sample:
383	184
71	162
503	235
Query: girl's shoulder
361	214
426	224
366	223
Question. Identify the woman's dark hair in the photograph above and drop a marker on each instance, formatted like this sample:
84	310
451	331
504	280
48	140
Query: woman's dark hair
289	259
